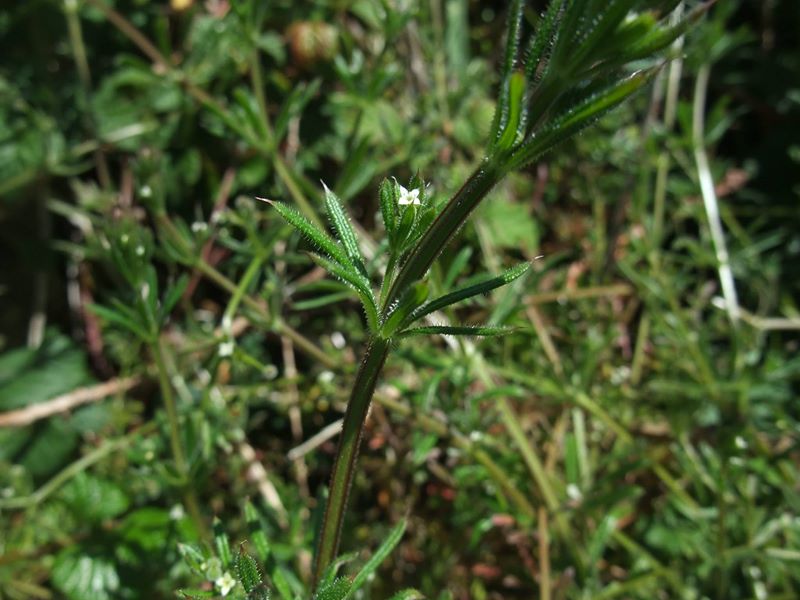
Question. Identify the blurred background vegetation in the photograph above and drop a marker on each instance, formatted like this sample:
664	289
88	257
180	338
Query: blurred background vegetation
633	441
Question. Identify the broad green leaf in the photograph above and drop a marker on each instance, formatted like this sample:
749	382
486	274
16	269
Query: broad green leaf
319	238
84	576
482	287
342	226
456	330
394	537
94	499
247	571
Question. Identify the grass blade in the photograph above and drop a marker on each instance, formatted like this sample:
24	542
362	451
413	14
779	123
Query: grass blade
394	537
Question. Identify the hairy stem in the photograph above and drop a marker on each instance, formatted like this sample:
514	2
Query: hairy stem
347	453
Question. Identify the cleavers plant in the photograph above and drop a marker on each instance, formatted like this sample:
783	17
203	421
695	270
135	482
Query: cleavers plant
580	59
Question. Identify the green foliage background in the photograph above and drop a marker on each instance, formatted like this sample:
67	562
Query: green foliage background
655	453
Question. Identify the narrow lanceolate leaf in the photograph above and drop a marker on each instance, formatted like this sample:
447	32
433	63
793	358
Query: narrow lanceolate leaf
222	544
357	281
394	537
247	572
543	40
514	29
319	238
388	195
579	117
464	330
256	532
516	97
409	301
601	27
341	223
662	37
482	287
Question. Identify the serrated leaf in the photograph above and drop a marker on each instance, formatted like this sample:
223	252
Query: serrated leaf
394	537
247	571
317	237
482	287
456	330
257	536
341	223
335	590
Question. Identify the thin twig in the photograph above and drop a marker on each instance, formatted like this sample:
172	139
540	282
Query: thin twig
315	441
710	196
257	474
65	402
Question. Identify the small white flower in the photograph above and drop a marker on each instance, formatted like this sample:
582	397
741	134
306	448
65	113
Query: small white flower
199	226
226	349
408	197
574	492
176	512
225	583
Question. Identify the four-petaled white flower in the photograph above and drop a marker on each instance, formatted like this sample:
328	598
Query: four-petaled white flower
225	583
408	197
